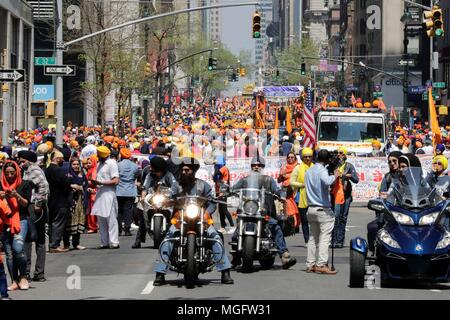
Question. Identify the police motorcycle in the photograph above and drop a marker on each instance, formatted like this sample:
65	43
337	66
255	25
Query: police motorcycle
158	211
414	243
255	241
193	249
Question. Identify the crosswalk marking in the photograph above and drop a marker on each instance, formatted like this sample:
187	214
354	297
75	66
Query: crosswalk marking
148	288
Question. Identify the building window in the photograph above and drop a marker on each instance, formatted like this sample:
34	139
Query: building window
362	4
362	27
362	50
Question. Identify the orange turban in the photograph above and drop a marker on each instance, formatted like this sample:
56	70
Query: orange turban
122	143
109	139
125	153
74	144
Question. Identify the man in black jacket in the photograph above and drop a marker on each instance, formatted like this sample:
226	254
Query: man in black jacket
256	180
59	201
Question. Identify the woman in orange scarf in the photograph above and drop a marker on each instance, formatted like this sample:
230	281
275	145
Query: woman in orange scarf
4	212
290	207
17	194
91	175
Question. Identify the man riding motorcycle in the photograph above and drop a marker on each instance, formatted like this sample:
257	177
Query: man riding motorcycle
159	174
270	185
189	185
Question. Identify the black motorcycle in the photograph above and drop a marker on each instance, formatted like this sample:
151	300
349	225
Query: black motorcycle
192	253
255	241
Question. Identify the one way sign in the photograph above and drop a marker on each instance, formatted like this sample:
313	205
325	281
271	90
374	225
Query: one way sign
59	70
12	75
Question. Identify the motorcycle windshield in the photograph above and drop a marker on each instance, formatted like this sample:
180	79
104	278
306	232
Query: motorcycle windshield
410	190
252	189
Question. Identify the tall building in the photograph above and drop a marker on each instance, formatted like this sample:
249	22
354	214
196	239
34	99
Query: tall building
17	52
213	22
315	20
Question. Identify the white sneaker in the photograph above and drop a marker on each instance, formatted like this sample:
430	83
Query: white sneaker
232	230
134	227
222	230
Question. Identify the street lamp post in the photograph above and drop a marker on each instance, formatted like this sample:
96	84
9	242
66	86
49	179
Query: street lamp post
406	18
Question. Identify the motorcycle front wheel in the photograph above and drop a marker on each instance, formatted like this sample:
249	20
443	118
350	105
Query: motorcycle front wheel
190	273
248	253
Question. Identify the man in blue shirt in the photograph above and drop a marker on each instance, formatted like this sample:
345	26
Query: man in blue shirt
320	215
126	191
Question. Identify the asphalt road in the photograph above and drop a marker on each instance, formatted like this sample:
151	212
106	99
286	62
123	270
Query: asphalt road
127	273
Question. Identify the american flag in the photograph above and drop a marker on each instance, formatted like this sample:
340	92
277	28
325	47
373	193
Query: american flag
309	125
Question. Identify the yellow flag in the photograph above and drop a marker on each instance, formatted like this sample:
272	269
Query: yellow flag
434	123
276	124
288	120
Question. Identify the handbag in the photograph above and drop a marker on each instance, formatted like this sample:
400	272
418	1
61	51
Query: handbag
32	234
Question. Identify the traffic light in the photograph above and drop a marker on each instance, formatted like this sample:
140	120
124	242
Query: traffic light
303	69
50	110
38	109
428	23
256	25
437	22
242	72
147	69
353	73
212	64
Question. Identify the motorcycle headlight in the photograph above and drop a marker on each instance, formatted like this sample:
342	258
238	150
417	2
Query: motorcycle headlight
251	207
192	211
403	218
445	242
428	219
158	200
385	237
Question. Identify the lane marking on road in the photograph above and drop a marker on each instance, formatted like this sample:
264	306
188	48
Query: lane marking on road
435	290
148	288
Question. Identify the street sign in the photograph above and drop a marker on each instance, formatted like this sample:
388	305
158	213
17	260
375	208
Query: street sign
377	88
68	70
43	61
12	75
43	92
409	62
439	85
436	96
352	88
416	89
378	94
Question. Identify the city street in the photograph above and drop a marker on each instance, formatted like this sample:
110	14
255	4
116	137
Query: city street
128	274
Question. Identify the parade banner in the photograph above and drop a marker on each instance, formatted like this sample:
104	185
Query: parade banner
370	172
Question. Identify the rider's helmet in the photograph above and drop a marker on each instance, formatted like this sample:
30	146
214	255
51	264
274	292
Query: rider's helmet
257	160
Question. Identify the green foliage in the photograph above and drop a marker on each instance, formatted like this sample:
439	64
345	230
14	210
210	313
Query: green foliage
291	59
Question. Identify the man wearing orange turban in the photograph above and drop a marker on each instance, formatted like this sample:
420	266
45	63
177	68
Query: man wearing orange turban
125	153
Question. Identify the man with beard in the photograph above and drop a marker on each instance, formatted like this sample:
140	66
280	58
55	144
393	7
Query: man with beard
189	185
59	201
33	173
105	206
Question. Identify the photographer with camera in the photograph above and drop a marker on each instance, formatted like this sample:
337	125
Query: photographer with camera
320	214
342	196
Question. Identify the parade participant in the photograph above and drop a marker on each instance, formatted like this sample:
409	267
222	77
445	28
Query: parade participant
439	168
40	192
270	185
159	174
342	192
320	214
126	190
298	183
17	193
91	176
428	148
189	185
376	149
4	212
77	219
284	177
375	225
105	205
59	201
440	148
89	150
221	176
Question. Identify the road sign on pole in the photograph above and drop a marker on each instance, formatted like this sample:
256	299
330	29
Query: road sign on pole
12	75
68	70
43	61
439	85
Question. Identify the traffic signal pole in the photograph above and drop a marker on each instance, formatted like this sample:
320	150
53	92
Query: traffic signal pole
59	79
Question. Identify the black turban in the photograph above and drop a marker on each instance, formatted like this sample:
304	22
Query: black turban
158	164
27	155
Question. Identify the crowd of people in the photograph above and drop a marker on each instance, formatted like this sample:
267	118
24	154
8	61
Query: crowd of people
91	182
